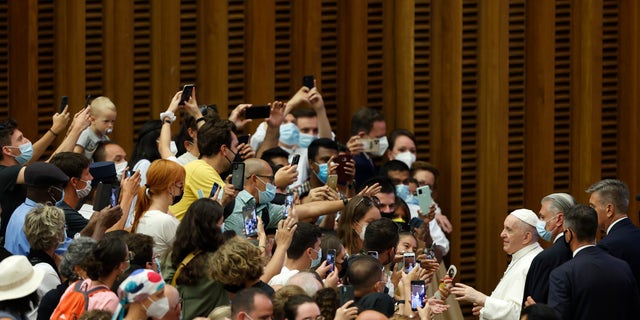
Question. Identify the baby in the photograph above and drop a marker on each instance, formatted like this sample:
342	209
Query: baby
103	117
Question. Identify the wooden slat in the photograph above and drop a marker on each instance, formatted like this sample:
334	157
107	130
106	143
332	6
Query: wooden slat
329	57
516	103
306	38
561	94
609	88
284	51
375	59
236	52
141	64
165	65
4	60
422	78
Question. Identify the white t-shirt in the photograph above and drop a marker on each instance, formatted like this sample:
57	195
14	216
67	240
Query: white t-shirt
161	227
283	277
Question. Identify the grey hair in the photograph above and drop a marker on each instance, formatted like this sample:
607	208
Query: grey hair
78	250
612	191
306	280
560	202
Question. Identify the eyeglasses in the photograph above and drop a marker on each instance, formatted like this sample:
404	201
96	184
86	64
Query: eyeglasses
369	201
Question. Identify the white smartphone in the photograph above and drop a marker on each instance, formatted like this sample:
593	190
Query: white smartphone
409	260
424	199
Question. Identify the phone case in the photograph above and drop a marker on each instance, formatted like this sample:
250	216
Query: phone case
332	181
424	199
237	179
370	145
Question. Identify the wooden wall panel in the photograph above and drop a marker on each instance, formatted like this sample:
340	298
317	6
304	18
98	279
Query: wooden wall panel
213	54
561	96
142	77
329	62
422	78
306	38
236	78
609	102
375	63
283	49
516	103
165	54
47	50
4	60
259	51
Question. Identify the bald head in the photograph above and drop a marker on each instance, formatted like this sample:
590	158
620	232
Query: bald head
256	166
371	315
174	303
306	280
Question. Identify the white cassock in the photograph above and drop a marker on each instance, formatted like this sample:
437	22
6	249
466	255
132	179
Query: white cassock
505	301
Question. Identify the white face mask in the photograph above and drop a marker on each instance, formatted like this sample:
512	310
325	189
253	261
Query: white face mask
157	309
407	157
384	145
364	229
120	167
84	191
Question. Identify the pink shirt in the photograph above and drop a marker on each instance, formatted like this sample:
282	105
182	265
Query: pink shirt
101	300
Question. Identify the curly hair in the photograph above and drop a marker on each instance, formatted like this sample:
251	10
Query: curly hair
78	251
280	298
328	302
236	262
161	175
44	227
198	230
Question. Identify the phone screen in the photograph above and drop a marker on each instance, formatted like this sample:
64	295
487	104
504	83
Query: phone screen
186	93
417	294
115	196
214	189
257	112
295	160
331	259
288	202
250	221
409	260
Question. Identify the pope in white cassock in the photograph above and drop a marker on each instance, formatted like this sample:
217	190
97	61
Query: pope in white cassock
520	239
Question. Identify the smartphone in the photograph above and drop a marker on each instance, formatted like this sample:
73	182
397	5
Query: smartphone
415	223
87	100
307	81
250	221
106	195
214	189
431	253
424	199
288	202
115	196
331	259
370	145
243	138
63	103
187	90
346	294
129	173
418	291
257	112
332	181
295	160
373	254
342	161
409	260
237	179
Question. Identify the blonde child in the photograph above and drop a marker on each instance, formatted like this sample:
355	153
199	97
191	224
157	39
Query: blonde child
103	118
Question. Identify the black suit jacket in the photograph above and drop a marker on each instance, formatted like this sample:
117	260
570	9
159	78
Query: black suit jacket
594	285
623	241
365	170
537	283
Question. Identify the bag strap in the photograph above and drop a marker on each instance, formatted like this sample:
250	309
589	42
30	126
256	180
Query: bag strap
184	263
87	293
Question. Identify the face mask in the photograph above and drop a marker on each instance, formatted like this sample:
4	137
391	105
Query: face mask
411	199
26	152
173	147
407	157
157	309
384	145
316	262
59	201
402	191
108	131
120	167
233	288
323	172
305	140
157	260
289	134
84	191
268	194
542	230
364	229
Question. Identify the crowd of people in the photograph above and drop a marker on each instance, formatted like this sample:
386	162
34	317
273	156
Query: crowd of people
283	223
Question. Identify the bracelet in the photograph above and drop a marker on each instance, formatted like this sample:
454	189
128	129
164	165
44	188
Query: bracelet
344	199
400	302
166	121
53	133
200	119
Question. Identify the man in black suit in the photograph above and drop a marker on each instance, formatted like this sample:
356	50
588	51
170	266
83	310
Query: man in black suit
610	199
594	284
552	211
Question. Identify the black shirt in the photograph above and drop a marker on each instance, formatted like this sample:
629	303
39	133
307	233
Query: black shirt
11	195
74	220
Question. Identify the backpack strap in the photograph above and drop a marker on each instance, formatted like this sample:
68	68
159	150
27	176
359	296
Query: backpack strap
88	293
184	262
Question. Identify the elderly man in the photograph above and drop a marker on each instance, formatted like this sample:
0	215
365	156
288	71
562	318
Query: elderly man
552	211
520	240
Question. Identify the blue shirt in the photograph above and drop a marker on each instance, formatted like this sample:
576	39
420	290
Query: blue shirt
235	221
15	240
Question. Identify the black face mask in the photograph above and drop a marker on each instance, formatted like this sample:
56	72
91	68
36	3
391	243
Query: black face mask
387	215
233	288
177	198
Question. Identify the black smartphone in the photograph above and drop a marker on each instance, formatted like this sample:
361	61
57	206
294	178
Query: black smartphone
288	202
63	103
250	221
129	173
214	189
257	112
418	291
307	81
243	138
346	294
237	179
295	160
106	195
87	100
187	90
331	259
415	223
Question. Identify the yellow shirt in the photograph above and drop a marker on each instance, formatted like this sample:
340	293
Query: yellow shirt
199	176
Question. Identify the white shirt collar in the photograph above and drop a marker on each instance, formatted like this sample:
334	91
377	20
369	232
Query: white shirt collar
614	223
583	247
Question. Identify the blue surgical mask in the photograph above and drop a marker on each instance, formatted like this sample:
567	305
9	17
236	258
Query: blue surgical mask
268	194
289	134
402	191
316	262
26	152
59	201
323	172
542	230
305	140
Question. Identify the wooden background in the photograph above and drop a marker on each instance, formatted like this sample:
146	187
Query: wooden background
511	99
